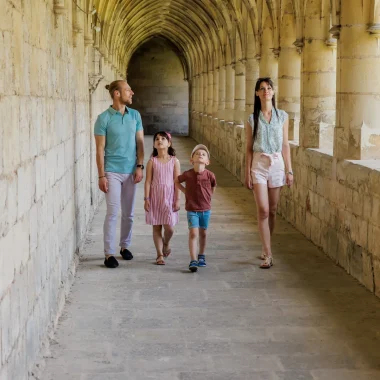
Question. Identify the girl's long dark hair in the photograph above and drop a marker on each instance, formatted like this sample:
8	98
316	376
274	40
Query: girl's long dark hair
171	150
257	104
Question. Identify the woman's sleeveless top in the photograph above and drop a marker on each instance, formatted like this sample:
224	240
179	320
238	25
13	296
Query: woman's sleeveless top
269	135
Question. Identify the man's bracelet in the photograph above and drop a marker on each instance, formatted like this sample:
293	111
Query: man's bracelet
290	172
146	199
103	176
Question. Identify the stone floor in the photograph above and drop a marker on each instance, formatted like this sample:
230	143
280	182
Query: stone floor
303	319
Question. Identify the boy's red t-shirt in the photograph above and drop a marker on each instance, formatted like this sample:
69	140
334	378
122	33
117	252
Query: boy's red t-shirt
198	189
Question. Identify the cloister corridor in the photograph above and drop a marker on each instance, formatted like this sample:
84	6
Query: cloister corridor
193	66
304	319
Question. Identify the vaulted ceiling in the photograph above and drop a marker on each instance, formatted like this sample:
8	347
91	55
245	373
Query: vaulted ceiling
201	30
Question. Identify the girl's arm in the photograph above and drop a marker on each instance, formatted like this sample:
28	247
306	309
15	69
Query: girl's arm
148	181
177	193
286	154
179	185
249	155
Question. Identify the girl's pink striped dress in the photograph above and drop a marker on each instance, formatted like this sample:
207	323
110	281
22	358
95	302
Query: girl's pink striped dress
162	194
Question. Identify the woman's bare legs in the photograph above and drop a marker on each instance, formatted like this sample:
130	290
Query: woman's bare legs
274	197
262	205
266	203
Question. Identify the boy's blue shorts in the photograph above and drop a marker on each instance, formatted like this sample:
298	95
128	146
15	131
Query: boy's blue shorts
198	219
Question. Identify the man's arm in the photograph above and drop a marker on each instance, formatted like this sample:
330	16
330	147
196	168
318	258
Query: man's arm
100	145
139	174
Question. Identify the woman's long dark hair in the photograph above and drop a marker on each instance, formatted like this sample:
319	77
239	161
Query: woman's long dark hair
257	104
167	136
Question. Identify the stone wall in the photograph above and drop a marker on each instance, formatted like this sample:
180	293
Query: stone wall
335	204
161	95
45	173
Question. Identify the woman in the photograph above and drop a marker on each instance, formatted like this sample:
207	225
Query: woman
268	164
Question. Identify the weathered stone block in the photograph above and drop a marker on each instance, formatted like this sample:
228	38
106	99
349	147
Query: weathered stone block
367	274
26	188
356	262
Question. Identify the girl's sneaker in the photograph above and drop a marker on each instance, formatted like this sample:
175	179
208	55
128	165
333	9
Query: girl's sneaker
201	260
193	266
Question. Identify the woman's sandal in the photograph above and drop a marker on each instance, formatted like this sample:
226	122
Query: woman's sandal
160	260
166	252
268	262
263	256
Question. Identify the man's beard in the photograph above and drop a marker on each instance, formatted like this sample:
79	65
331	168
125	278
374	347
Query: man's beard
126	101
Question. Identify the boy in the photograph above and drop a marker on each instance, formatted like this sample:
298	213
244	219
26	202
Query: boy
200	186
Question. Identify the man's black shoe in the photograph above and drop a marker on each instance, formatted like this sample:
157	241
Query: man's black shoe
111	262
126	254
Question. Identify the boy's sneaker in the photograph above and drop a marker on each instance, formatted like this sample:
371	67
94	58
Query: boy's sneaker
193	266
201	260
126	254
111	262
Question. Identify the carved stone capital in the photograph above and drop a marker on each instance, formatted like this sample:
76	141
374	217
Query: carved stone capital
258	57
59	10
276	52
93	81
335	31
331	42
299	44
88	40
374	29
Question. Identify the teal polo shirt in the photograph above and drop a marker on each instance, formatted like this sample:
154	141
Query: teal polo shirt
120	131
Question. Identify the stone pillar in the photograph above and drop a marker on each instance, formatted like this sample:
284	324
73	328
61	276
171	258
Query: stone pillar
205	96
251	75
222	90
357	132
289	73
194	94
318	82
268	55
230	91
210	91
216	92
200	91
239	91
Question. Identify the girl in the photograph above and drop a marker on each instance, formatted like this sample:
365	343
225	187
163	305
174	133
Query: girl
162	198
268	164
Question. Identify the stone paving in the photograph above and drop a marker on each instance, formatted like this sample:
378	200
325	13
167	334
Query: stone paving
303	319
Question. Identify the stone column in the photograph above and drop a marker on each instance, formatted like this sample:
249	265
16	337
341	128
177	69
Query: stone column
200	92
289	73
268	55
195	93
357	132
210	91
240	91
222	91
251	75
205	95
318	82
216	92
230	91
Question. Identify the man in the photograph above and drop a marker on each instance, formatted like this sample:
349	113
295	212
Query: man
119	140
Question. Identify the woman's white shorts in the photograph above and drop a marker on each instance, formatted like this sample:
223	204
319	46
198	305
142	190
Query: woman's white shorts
268	169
